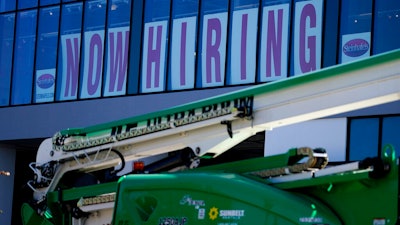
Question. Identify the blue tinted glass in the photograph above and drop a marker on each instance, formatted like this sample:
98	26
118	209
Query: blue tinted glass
331	31
119	13
117	48
364	135
23	4
49	2
24	53
6	47
183	8
355	29
7	5
69	52
156	10
386	26
390	132
356	16
46	54
93	48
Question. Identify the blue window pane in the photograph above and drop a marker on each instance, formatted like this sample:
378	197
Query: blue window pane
6	48
49	2
390	132
181	73
24	52
157	10
23	4
69	52
386	26
117	48
330	36
355	30
46	54
364	135
93	49
7	5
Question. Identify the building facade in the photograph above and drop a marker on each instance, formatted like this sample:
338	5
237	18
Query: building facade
73	63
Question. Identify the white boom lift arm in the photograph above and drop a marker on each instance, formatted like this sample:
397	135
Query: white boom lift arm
211	126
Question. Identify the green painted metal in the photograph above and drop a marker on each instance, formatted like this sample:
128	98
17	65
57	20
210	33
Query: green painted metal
30	217
291	82
215	195
212	198
361	201
229	194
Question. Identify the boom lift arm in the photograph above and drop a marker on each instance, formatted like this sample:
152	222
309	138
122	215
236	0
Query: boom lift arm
211	126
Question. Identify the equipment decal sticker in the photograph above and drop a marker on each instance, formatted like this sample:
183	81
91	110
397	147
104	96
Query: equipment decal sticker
234	214
191	202
172	220
213	214
188	200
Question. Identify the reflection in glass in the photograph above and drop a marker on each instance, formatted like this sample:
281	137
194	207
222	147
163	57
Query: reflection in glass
46	54
7	22
363	138
24	52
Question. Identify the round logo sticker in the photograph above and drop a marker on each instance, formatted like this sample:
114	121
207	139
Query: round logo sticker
356	47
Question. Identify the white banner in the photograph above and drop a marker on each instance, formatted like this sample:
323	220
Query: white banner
183	48
307	36
117	61
243	46
92	64
70	48
153	64
213	50
274	43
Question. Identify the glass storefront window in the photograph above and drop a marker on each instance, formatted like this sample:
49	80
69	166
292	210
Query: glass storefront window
390	132
363	139
46	54
49	2
7	22
355	30
93	49
24	54
181	72
386	26
7	5
69	52
117	48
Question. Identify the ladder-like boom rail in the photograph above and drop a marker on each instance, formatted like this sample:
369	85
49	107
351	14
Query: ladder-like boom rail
211	126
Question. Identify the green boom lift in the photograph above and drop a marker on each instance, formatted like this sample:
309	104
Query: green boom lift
79	177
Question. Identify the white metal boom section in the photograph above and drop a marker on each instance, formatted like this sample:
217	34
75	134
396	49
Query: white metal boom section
212	126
